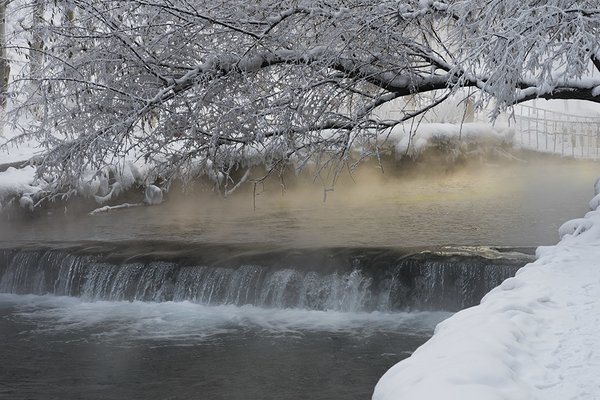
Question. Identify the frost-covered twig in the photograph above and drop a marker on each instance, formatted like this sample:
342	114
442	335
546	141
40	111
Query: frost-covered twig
106	209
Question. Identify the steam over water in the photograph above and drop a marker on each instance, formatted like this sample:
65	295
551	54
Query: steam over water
204	299
518	204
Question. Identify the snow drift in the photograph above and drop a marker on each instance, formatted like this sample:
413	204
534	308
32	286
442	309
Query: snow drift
411	140
533	337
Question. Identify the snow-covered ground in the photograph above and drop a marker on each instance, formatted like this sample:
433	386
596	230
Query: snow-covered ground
18	179
533	337
17	153
409	139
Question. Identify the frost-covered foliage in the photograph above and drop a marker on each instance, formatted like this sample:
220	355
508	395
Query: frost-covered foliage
521	50
217	87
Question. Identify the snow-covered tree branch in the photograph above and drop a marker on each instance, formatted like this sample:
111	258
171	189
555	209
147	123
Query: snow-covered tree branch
198	87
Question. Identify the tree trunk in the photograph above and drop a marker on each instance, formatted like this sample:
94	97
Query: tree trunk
37	42
4	65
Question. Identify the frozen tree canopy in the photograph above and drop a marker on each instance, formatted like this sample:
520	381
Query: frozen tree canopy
197	87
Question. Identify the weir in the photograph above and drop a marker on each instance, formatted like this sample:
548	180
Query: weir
356	280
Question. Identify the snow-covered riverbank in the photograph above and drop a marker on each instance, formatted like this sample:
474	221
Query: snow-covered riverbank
533	337
18	178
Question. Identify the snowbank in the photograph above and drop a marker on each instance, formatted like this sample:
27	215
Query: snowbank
103	186
410	140
12	153
533	337
17	181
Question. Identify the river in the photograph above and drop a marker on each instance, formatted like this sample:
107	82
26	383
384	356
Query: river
273	297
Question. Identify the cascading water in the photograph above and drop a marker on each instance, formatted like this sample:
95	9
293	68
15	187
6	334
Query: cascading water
423	281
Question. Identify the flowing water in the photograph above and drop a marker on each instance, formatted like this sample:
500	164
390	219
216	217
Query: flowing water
298	299
113	321
66	348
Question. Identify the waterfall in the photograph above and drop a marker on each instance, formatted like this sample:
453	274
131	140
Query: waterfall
423	281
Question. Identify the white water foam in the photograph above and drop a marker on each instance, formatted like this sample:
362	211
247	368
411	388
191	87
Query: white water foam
190	322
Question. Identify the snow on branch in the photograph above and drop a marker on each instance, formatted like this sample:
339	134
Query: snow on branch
106	209
199	87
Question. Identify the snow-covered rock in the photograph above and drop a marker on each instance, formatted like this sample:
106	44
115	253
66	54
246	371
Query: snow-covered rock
597	187
153	195
595	202
115	189
26	202
411	140
574	227
15	182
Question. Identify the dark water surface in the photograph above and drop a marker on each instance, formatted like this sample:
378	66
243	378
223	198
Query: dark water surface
113	321
63	348
519	204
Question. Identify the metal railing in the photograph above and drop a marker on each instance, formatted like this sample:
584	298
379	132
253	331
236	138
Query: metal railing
556	132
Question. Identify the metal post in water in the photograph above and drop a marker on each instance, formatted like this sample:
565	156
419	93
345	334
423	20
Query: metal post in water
521	124
597	137
546	130
562	151
589	141
537	130
554	133
581	139
529	126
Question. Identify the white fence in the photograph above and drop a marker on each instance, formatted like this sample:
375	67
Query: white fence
556	132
